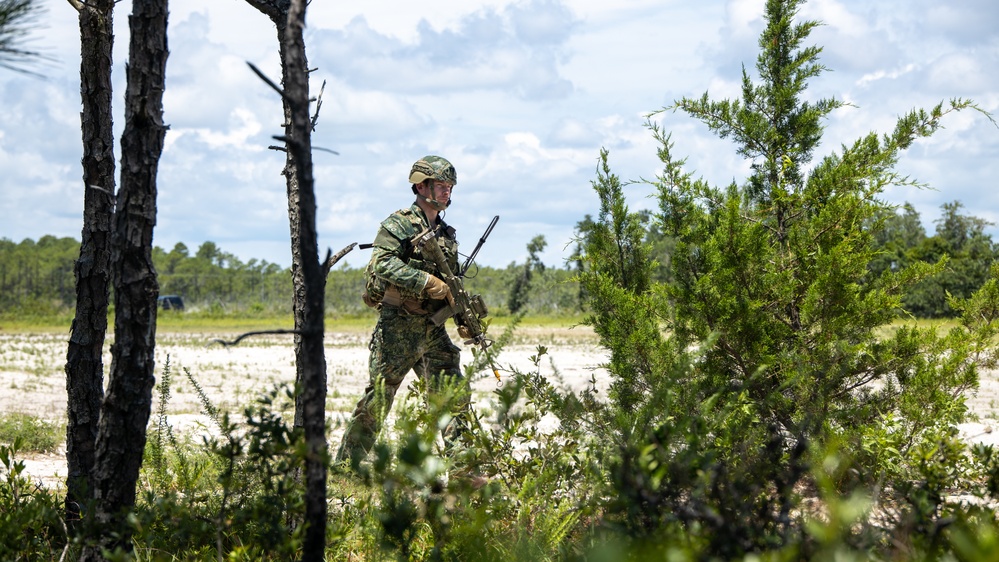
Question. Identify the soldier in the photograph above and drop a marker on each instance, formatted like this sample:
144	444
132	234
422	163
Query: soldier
407	290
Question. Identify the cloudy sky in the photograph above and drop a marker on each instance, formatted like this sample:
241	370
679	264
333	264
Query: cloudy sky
519	95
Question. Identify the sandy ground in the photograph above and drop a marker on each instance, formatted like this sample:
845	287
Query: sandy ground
32	378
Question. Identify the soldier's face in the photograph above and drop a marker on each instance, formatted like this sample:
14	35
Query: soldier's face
441	190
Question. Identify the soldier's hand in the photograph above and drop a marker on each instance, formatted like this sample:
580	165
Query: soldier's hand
436	289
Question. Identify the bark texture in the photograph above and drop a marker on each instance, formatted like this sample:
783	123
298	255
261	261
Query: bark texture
84	360
308	277
278	12
125	412
311	355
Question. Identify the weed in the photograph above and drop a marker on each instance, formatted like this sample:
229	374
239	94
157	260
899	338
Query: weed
33	434
31	525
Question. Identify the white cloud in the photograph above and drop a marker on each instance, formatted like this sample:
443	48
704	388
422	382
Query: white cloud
882	74
241	127
521	95
744	18
516	49
573	133
958	68
837	16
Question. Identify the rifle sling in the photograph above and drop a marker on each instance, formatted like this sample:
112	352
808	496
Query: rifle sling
442	315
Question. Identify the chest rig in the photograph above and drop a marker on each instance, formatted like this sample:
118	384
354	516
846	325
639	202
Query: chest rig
404	226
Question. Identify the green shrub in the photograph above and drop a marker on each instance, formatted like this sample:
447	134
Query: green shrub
766	348
34	435
31	526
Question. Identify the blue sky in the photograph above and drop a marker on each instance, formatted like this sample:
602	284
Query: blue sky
519	95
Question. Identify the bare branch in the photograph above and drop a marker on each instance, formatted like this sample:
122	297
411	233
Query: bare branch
330	261
248	334
292	144
266	80
319	104
276	10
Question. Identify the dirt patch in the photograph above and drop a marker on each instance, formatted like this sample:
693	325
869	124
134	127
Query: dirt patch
33	378
34	381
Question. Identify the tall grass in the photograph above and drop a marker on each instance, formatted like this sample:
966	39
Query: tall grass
34	435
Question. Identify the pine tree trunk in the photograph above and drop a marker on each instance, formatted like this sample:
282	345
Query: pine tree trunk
311	401
125	412
84	360
277	11
308	277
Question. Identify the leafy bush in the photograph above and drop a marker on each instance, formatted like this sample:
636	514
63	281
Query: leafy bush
33	434
31	526
237	496
766	347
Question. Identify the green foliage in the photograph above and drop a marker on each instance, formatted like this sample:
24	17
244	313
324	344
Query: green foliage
36	282
31	526
766	344
36	279
520	292
968	252
33	434
237	497
539	475
18	19
616	278
960	250
762	405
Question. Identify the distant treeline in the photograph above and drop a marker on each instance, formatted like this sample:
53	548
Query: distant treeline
36	278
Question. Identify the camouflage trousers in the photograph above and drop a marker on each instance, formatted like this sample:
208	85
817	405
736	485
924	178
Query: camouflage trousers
401	343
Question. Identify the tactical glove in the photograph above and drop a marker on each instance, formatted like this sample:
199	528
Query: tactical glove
464	333
435	288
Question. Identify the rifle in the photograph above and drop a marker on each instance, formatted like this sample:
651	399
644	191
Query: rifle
467	309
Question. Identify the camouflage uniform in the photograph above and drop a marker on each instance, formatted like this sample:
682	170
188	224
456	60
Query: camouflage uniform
404	338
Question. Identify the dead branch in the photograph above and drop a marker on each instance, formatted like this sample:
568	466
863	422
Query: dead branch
267	80
319	104
248	334
331	260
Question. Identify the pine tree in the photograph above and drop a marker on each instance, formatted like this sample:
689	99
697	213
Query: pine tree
770	343
18	19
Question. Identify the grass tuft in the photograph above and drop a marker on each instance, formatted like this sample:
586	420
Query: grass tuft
35	435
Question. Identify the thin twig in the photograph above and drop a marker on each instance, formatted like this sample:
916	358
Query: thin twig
248	334
267	80
319	104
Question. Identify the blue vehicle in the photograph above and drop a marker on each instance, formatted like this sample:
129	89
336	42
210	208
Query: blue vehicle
171	302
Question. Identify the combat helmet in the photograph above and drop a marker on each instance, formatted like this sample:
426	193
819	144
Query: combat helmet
433	168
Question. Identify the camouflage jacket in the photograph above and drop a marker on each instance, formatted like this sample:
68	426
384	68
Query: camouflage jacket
395	261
